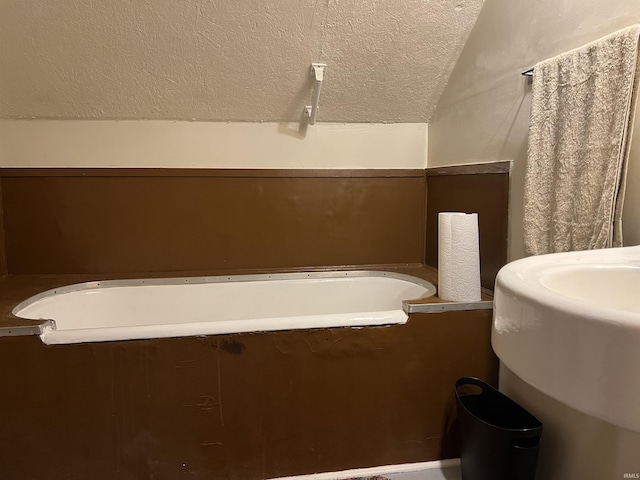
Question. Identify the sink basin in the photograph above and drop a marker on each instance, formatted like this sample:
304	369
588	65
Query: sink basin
569	325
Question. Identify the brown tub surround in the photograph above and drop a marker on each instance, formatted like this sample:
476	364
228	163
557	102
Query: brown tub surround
103	221
245	407
3	259
100	221
481	188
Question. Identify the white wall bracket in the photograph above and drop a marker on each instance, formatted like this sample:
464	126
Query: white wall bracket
317	70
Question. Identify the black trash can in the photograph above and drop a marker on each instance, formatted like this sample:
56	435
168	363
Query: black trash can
499	439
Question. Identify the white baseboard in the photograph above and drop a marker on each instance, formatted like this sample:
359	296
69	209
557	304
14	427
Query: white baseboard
383	470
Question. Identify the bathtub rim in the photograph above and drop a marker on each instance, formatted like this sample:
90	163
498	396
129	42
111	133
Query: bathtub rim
212	279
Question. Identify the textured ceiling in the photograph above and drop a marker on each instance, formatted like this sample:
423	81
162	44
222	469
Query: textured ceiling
228	60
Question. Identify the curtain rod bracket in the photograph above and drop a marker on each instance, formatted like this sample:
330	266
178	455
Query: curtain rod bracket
317	70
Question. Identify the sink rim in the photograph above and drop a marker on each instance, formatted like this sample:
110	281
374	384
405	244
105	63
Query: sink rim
525	279
577	352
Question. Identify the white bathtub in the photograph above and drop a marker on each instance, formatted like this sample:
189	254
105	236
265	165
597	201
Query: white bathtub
178	307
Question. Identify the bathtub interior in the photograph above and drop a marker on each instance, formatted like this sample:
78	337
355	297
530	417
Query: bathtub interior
115	310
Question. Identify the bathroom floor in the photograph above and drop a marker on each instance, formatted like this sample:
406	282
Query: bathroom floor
432	474
436	470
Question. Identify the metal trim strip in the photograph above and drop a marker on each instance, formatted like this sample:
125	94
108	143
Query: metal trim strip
448	307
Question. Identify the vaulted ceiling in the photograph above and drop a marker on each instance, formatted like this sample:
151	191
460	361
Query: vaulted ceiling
228	60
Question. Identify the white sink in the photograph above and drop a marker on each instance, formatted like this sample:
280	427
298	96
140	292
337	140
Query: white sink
569	325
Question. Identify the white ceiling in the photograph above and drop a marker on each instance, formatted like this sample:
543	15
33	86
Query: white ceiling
228	60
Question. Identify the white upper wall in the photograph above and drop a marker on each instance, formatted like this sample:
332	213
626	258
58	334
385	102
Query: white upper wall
228	60
177	144
483	114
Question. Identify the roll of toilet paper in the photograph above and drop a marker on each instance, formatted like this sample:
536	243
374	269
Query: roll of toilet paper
458	257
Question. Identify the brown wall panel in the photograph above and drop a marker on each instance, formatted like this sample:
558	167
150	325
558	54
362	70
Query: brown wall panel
247	406
484	193
97	222
3	259
243	407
